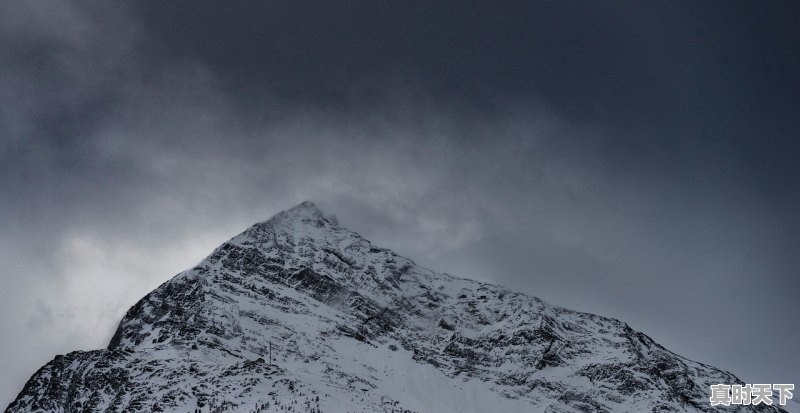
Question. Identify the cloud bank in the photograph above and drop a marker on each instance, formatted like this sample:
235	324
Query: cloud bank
632	160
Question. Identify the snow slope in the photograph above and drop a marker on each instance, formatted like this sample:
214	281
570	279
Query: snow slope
356	328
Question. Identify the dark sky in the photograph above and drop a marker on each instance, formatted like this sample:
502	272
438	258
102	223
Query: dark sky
634	159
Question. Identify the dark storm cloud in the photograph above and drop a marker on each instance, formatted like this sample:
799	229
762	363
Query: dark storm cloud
632	159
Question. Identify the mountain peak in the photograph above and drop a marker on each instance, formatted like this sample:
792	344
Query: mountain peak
306	206
305	209
297	313
303	212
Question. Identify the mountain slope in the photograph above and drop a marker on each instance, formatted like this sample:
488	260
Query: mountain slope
297	313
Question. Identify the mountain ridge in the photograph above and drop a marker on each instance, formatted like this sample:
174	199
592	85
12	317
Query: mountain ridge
299	312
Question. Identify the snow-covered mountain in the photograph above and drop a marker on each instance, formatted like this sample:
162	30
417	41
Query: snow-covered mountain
300	314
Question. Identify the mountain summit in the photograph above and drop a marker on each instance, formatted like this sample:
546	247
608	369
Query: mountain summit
299	314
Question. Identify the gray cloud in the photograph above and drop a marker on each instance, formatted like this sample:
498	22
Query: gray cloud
632	160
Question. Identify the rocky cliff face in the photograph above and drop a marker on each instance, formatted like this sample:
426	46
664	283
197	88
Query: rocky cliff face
299	314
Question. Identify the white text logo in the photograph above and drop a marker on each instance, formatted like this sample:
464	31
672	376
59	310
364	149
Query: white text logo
746	394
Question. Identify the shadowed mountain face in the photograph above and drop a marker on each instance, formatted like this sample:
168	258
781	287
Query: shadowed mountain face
299	313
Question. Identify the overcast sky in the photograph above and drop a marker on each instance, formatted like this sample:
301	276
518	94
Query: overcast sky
633	159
